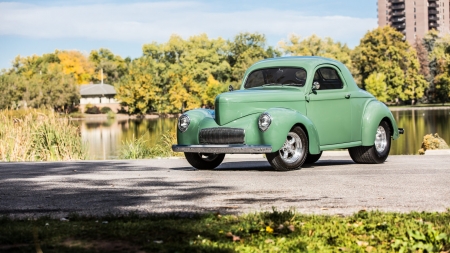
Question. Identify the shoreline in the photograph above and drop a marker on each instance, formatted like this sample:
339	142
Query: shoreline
121	116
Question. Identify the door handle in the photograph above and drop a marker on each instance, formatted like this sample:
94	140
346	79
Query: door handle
347	96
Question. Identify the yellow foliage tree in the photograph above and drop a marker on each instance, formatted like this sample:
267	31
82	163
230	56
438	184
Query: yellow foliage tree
76	64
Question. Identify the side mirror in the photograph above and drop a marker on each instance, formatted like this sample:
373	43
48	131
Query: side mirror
316	86
230	88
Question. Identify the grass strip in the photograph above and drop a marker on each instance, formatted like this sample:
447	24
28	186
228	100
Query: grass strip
274	231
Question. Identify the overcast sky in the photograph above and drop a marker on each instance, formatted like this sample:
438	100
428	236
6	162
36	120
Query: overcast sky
41	26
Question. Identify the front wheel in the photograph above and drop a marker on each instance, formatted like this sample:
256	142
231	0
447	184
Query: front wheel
378	152
292	154
204	161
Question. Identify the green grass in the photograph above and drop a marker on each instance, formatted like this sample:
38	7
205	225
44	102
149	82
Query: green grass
138	148
274	231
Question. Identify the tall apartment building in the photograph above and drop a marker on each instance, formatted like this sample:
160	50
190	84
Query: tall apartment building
414	18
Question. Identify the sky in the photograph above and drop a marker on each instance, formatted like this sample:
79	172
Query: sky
30	27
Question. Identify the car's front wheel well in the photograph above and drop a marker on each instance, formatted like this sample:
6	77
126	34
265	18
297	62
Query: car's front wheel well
304	130
388	121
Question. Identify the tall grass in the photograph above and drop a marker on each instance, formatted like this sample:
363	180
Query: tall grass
138	148
39	135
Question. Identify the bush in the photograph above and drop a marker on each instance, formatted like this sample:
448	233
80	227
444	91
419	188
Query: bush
105	110
432	141
92	110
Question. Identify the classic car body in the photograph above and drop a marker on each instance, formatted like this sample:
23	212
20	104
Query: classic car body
292	109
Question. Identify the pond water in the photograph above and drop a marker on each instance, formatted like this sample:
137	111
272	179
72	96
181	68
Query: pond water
105	137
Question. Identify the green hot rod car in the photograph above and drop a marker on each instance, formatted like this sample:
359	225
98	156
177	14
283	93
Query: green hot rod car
291	109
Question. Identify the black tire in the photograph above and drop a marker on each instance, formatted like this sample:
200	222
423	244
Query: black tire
375	153
310	159
204	161
292	155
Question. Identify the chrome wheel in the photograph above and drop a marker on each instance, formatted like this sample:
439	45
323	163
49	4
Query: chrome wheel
292	149
380	140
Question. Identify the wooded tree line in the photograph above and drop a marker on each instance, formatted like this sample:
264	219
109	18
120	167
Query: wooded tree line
188	73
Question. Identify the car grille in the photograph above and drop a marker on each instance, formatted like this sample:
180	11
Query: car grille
222	135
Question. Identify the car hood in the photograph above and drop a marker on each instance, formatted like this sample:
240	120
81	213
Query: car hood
230	106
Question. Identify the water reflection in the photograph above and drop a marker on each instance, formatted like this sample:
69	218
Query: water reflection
105	138
418	123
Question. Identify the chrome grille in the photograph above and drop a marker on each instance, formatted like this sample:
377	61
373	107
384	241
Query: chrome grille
222	135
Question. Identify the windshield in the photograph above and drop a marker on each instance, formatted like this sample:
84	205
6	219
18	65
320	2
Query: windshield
276	76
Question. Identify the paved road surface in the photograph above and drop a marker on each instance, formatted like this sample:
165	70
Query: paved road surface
333	185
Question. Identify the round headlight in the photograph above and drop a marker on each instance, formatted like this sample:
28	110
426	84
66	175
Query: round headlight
183	122
264	121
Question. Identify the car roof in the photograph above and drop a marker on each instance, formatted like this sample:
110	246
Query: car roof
307	62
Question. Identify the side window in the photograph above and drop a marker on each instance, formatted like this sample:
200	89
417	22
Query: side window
328	79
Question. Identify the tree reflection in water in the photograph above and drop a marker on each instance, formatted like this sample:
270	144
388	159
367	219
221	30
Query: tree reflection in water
105	137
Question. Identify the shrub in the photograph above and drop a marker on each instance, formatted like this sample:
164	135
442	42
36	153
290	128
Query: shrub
105	110
432	141
92	110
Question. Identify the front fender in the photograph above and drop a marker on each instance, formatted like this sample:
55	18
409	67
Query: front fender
196	117
282	122
374	113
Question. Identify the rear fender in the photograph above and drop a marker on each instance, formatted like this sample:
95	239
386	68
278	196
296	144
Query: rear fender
374	113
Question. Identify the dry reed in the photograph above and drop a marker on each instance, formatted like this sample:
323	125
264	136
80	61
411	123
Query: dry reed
39	135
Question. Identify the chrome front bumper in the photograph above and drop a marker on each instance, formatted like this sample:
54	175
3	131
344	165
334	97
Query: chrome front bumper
225	149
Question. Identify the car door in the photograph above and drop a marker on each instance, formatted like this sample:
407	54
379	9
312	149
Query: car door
329	107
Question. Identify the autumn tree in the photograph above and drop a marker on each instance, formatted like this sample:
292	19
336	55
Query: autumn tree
422	56
383	50
76	64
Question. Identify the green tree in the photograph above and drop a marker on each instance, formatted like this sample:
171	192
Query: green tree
376	85
112	66
316	46
246	49
383	50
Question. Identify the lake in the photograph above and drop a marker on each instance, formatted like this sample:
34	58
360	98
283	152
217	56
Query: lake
105	137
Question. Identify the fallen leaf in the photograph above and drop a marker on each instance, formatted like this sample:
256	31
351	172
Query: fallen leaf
311	232
370	248
268	241
229	234
158	242
362	243
236	238
280	227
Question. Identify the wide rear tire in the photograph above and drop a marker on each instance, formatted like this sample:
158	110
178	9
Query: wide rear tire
204	161
376	153
292	154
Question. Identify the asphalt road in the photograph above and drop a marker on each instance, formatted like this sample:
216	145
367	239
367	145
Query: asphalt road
334	185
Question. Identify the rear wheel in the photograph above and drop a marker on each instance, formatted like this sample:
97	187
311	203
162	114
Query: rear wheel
204	161
292	154
376	153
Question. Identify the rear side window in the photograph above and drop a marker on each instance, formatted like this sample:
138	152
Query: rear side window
328	79
276	76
